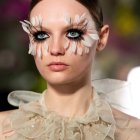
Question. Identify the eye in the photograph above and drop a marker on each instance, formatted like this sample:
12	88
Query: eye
40	36
75	34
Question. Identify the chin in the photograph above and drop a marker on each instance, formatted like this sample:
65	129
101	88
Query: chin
58	80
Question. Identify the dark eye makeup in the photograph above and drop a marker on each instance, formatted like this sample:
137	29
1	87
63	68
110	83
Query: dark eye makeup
40	36
73	34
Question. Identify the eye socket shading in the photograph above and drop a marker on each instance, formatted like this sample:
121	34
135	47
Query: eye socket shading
40	36
75	34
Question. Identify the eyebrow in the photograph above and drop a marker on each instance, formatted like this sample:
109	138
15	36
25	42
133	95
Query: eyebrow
72	23
66	27
82	22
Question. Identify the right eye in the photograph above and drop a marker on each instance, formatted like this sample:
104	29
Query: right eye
75	34
40	36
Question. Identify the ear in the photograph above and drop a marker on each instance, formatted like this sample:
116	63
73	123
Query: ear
104	33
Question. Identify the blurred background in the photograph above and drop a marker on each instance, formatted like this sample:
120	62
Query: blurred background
17	68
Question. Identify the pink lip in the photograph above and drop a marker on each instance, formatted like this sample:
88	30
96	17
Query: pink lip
57	66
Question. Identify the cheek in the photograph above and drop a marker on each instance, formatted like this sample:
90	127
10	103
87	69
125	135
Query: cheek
83	63
40	66
80	67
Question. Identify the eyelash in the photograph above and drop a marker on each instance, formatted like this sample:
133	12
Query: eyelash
41	36
40	39
79	33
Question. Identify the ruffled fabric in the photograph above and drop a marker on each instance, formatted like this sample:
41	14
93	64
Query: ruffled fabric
33	121
116	92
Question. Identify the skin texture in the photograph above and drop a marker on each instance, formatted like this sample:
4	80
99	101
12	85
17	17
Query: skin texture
69	91
78	41
3	116
67	88
53	13
56	27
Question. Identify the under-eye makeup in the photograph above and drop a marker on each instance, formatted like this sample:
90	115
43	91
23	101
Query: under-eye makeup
79	35
75	34
34	29
85	36
40	36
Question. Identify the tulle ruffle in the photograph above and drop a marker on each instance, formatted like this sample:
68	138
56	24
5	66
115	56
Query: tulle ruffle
33	121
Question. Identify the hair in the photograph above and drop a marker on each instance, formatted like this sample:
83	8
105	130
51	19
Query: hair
93	7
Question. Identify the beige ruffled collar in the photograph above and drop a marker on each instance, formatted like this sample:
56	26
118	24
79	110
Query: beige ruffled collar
33	121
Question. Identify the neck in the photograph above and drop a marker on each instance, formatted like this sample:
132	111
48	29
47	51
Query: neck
69	100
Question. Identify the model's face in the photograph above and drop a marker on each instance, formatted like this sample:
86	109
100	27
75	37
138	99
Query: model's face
65	40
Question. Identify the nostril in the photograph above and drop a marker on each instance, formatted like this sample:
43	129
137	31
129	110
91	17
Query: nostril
57	51
56	46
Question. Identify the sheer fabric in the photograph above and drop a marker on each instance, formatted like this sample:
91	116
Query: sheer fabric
33	121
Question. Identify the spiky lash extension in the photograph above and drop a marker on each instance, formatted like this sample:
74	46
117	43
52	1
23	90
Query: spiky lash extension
79	50
81	23
87	41
66	46
30	27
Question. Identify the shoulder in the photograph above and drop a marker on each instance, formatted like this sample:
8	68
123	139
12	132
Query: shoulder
127	127
3	116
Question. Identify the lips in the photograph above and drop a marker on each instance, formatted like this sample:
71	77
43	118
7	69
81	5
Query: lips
57	66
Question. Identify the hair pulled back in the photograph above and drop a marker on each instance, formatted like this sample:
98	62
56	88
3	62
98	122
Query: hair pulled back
92	5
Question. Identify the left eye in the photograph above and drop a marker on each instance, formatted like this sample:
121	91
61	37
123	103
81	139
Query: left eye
40	36
74	34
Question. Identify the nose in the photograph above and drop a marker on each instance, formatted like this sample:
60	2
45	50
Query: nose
57	46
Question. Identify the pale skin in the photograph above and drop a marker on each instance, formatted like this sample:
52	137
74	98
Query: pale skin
69	91
66	89
71	87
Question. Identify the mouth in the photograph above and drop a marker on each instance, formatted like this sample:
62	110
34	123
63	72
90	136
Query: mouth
57	66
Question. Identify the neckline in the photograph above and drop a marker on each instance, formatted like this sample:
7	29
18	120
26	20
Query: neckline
40	120
90	109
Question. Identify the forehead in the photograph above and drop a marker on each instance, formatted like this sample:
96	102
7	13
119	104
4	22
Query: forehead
57	9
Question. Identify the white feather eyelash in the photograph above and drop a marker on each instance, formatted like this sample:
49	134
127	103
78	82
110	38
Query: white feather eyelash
27	27
87	41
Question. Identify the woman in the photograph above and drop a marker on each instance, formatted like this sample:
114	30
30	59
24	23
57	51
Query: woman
64	38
